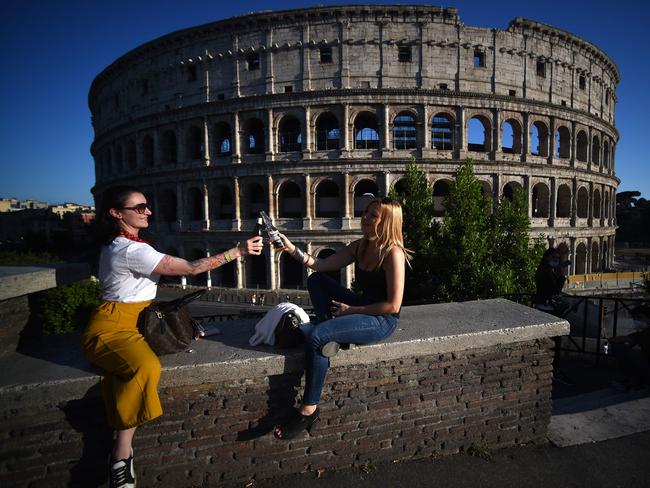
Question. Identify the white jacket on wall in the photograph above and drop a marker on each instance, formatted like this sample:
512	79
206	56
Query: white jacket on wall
265	328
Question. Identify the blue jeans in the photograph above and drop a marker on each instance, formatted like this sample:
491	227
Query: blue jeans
347	329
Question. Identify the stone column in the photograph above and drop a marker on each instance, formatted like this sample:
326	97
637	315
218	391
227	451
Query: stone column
496	133
206	207
588	257
590	206
572	256
382	53
551	140
496	191
386	132
553	204
529	195
307	220
236	201
346	219
306	140
180	208
589	148
574	201
271	197
345	132
270	139
239	273
269	67
206	142
385	183
306	62
426	133
236	135
525	137
208	274
460	134
423	54
573	145
344	60
236	66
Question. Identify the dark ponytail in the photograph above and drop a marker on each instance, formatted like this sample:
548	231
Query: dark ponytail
107	226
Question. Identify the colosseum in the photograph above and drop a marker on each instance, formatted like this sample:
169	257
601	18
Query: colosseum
304	112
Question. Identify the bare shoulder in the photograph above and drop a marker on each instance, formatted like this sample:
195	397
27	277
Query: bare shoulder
395	256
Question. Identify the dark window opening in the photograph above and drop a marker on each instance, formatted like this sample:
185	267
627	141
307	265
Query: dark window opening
221	96
512	93
327	132
404	54
145	87
288	89
325	54
253	62
479	59
541	69
606	98
564	103
444	86
192	73
582	81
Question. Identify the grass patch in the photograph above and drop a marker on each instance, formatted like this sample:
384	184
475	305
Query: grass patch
481	451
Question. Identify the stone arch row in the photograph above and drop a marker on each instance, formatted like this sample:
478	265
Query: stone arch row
218	200
365	129
587	255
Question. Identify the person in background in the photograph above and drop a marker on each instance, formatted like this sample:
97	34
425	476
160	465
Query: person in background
129	270
549	281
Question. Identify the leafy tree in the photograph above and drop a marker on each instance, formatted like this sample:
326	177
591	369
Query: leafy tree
420	230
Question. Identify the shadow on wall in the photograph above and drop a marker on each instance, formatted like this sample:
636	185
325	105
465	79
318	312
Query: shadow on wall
86	416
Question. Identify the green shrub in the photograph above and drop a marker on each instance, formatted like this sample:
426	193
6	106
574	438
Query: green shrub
26	258
68	307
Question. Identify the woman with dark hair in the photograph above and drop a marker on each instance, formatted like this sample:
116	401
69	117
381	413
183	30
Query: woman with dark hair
342	316
129	270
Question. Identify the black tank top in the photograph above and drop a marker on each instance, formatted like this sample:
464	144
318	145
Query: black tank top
371	283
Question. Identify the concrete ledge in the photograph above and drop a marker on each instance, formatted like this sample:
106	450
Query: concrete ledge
16	281
58	367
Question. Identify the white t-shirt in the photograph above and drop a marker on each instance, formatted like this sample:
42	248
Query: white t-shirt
126	271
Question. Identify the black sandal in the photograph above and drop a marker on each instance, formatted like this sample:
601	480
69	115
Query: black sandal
296	424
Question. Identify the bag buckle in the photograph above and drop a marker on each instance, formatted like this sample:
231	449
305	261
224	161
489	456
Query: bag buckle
160	315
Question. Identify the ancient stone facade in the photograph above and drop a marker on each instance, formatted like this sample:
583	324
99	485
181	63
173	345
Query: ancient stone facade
302	112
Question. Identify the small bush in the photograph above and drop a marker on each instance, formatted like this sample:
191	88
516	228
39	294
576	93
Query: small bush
67	308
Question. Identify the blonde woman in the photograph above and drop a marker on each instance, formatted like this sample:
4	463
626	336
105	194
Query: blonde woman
342	316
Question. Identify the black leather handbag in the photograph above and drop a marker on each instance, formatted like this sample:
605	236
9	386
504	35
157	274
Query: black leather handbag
287	332
168	326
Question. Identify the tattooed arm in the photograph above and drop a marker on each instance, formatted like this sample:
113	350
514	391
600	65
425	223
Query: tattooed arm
172	266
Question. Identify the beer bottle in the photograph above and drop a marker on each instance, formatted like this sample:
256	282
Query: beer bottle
272	231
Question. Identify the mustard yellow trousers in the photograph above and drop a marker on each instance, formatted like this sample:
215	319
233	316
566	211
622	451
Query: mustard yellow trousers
131	369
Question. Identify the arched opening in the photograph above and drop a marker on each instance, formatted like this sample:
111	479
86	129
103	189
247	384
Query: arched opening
595	150
405	134
222	139
442	133
200	279
256	270
596	204
606	153
562	143
253	142
595	262
440	192
364	191
581	259
290	201
486	189
224	207
194	143
583	203
511	137
563	202
539	139
119	159
563	249
168	149
365	131
328	203
167	203
541	199
328	134
224	276
289	135
400	187
257	200
194	204
290	272
324	253
147	151
478	134
582	146
510	189
131	157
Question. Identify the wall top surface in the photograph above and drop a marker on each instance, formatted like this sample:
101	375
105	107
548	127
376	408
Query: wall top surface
422	330
16	281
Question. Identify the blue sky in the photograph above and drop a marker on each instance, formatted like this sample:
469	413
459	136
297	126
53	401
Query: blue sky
52	50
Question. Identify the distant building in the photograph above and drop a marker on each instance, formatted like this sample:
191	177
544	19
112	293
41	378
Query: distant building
13	204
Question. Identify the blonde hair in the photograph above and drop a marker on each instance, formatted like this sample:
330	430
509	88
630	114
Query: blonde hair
389	229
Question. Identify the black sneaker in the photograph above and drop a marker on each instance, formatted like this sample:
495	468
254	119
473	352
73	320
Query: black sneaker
121	473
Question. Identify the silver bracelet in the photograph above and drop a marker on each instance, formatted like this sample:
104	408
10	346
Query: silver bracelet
299	255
